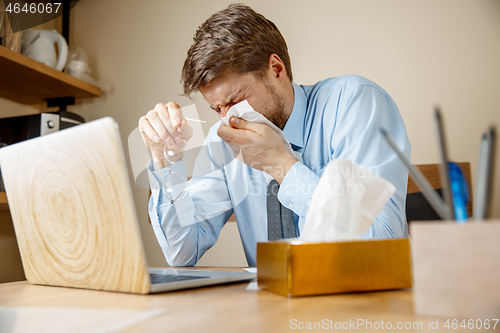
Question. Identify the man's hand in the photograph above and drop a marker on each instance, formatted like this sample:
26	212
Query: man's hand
164	126
259	146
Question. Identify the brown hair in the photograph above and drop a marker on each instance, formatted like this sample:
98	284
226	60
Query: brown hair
236	39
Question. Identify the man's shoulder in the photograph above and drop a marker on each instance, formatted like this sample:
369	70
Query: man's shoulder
346	80
341	85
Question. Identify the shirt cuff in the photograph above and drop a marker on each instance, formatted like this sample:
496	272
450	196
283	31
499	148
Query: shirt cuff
297	188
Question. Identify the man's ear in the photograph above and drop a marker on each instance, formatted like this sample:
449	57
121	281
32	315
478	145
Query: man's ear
277	68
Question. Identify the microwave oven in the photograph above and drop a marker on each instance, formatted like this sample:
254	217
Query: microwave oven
17	129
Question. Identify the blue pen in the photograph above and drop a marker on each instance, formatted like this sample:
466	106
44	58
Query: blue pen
460	192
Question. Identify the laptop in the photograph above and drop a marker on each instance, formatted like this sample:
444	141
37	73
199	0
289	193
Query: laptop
71	204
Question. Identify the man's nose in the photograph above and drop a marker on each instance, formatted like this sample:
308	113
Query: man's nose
223	112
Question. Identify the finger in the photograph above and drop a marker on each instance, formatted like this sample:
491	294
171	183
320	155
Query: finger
238	122
225	133
242	124
232	135
160	122
252	131
145	139
147	132
176	115
185	130
175	120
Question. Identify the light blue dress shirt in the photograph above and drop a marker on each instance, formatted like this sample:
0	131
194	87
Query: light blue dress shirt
335	118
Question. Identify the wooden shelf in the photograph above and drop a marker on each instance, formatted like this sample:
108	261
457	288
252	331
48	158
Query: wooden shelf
3	201
28	81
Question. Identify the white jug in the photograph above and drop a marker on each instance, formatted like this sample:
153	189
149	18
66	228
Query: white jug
43	49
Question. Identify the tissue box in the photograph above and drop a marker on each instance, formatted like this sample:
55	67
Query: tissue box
299	268
456	269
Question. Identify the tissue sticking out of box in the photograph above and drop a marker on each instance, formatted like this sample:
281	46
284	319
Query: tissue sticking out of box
345	203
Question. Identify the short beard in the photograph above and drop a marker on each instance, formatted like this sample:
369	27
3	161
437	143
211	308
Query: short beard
276	112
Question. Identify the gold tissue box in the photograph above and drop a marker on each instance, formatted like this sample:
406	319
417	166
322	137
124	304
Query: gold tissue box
298	268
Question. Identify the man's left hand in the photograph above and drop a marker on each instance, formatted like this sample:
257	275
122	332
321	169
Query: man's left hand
259	146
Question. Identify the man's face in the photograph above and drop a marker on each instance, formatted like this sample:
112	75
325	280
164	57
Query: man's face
231	89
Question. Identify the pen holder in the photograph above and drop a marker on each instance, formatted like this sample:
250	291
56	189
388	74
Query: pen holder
456	269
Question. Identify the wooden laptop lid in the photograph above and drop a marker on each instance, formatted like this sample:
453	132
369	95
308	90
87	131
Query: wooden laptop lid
71	204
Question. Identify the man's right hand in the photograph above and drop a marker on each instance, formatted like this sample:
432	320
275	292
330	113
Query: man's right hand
164	126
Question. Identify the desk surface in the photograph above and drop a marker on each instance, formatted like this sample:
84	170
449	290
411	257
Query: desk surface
227	308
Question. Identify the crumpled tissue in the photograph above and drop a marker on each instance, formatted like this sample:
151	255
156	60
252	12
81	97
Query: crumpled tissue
245	111
345	203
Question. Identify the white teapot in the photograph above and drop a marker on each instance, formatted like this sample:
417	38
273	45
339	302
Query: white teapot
43	50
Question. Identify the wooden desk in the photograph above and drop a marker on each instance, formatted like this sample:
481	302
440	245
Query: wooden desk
226	308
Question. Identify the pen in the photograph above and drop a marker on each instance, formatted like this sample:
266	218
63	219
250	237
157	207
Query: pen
482	181
485	175
197	120
445	169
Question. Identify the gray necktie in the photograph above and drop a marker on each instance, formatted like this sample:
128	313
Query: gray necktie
279	219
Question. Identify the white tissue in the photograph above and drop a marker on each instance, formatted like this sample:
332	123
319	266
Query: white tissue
243	110
345	203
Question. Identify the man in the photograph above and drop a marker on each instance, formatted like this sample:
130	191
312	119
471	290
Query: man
239	55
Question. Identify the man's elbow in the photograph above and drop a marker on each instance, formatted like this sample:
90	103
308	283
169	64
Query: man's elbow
179	263
180	260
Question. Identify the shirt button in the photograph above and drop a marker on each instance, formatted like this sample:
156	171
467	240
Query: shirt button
290	205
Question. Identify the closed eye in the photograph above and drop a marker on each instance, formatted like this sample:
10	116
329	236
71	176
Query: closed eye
215	109
228	105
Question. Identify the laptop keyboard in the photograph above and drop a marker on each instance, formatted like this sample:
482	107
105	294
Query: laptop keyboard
166	278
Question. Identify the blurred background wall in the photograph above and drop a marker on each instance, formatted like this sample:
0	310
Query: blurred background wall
423	53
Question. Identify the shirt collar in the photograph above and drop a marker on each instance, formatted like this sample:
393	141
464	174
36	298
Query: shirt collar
294	127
